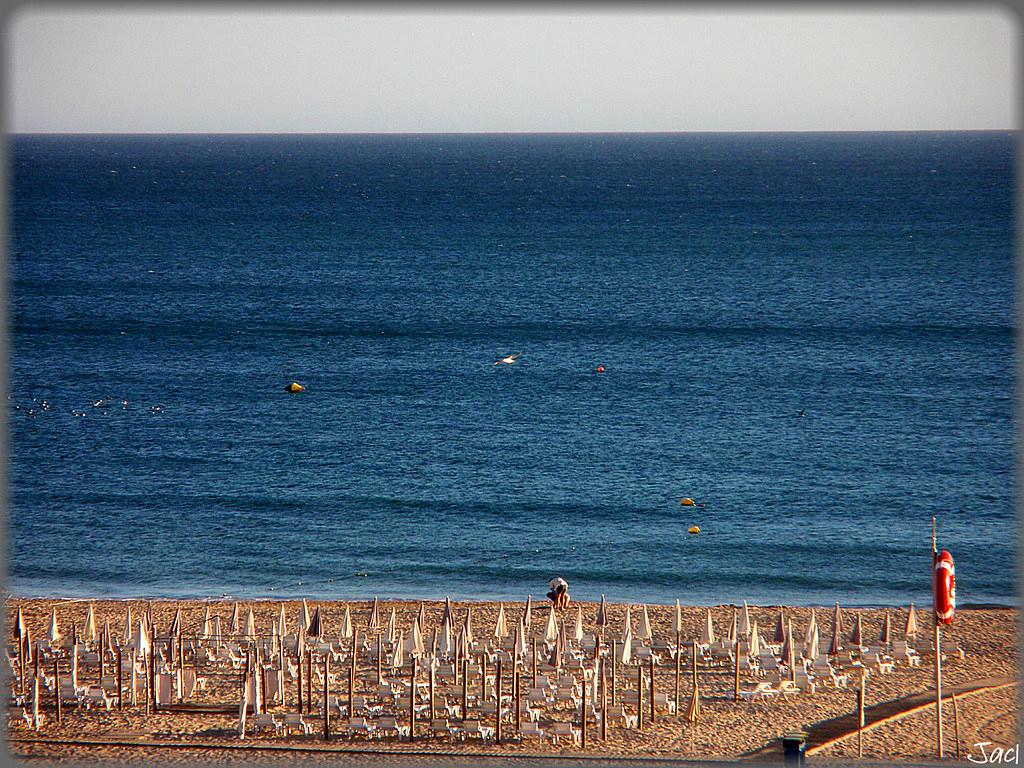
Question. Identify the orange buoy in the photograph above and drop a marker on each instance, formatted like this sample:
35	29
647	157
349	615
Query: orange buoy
600	369
694	529
295	387
687	502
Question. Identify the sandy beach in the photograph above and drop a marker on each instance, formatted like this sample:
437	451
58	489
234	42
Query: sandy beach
980	645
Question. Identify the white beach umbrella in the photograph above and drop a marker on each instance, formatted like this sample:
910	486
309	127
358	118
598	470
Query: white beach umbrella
551	631
304	617
677	619
707	632
417	639
235	626
421	617
282	621
734	628
521	639
812	627
89	627
74	665
105	634
857	635
398	655
204	633
250	627
577	634
446	614
745	621
469	625
837	633
627	627
175	624
53	635
528	612
644	632
390	631
500	627
126	636
626	647
300	640
812	646
346	625
755	640
142	639
445	640
374	622
243	708
218	633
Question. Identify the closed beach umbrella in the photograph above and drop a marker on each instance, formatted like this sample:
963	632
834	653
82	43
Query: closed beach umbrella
105	634
857	635
19	626
74	665
304	618
812	627
398	655
235	626
374	615
142	639
745	621
791	653
300	641
126	636
446	642
707	633
417	639
53	635
528	612
755	640
500	628
89	627
734	628
346	625
911	628
28	645
644	632
204	634
391	632
469	626
812	646
250	627
282	621
693	711
521	646
421	617
780	629
316	626
551	631
886	634
677	619
446	614
837	633
627	626
578	631
217	633
787	647
175	624
626	649
602	614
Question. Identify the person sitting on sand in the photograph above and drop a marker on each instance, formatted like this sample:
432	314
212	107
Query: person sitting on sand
559	594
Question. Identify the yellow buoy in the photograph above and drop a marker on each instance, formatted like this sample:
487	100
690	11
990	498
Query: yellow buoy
687	502
694	529
295	387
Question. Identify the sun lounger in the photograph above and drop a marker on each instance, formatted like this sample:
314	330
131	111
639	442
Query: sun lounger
266	721
293	721
358	726
531	729
440	727
558	731
617	716
472	729
97	696
388	726
764	690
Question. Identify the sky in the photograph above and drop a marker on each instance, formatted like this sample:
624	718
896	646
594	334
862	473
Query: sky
338	69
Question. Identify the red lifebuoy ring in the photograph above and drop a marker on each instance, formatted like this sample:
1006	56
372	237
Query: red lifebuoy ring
944	587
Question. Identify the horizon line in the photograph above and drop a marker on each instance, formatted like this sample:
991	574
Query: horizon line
512	133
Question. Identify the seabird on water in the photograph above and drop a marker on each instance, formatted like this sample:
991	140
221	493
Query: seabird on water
508	360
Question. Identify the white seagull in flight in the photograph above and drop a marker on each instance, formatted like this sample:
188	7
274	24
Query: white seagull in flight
509	359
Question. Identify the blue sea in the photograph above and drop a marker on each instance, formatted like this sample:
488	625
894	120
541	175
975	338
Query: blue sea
812	335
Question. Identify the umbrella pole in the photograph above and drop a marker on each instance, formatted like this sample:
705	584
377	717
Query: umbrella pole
309	681
497	708
56	687
938	659
639	697
327	714
120	683
465	685
652	688
583	713
615	653
298	681
380	654
736	680
695	665
604	702
535	662
679	642
412	700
